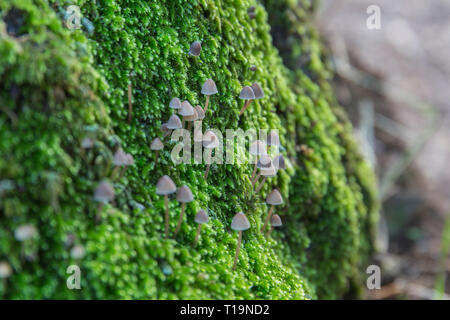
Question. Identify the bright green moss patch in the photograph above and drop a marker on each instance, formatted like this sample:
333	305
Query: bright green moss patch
59	86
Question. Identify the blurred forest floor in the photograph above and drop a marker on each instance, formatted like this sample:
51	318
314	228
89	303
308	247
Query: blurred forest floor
395	84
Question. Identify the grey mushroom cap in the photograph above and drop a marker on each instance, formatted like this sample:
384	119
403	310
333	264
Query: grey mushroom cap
258	148
274	198
247	93
5	270
273	139
186	109
120	157
201	217
209	87
87	143
200	112
104	192
271	171
164	128
210	140
258	91
275	221
174	123
157	144
192	117
25	232
279	162
264	162
175	103
184	194
165	186
240	222
195	49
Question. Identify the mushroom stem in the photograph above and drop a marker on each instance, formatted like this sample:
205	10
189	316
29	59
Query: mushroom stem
114	172
206	104
261	184
180	219
208	165
237	250
254	169
166	202
98	216
199	228
190	126
182	123
269	232
256	179
267	219
123	171
130	105
156	157
246	104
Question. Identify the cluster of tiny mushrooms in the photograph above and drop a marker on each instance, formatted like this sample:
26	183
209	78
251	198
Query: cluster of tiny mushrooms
165	186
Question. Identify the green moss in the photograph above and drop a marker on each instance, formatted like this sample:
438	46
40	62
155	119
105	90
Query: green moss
58	86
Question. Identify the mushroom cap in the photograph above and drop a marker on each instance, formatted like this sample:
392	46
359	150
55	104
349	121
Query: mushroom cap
279	162
240	222
5	270
195	49
264	162
174	123
175	103
104	192
87	143
200	112
270	171
258	148
77	252
157	144
164	128
184	194
193	117
120	157
186	109
275	221
165	186
210	140
274	198
25	232
257	90
130	160
247	93
273	139
201	217
209	87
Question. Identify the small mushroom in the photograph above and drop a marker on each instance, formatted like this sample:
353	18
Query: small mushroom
87	143
77	252
264	162
273	140
174	123
195	49
103	194
257	90
185	110
210	141
25	232
119	160
274	199
248	95
164	187
156	146
184	195
257	148
129	162
279	162
239	223
201	218
175	104
191	119
209	88
5	270
253	68
166	131
266	173
130	104
275	222
251	12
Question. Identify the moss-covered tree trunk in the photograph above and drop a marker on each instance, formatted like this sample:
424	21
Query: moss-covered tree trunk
59	86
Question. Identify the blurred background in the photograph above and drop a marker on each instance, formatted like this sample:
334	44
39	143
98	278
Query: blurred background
395	84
